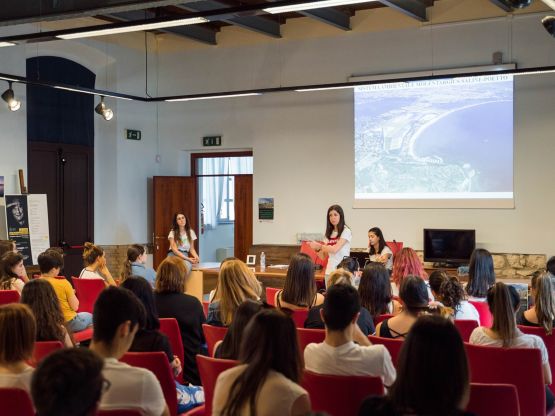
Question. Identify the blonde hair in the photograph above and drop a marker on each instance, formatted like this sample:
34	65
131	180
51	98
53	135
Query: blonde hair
17	333
170	276
236	283
91	253
340	276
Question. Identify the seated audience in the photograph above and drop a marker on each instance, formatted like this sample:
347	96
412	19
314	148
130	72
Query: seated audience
375	291
69	382
481	275
414	299
338	354
543	312
350	264
116	316
135	265
550	267
267	381
17	341
229	347
432	374
40	296
406	263
50	264
95	265
314	318
504	302
7	246
149	339
299	290
448	290
11	268
172	302
236	283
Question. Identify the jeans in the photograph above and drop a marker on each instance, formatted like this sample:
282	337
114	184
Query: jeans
188	264
81	321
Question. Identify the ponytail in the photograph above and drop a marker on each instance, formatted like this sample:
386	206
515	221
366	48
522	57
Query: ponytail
133	253
544	303
91	253
503	301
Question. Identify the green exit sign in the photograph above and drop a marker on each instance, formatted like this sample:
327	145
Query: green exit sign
133	134
212	141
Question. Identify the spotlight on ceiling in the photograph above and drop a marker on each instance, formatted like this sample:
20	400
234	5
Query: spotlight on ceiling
104	111
549	23
9	97
520	4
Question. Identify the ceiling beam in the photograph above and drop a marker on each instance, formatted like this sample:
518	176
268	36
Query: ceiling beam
256	23
502	4
328	15
413	8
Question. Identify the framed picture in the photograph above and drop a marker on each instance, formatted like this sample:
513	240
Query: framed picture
251	260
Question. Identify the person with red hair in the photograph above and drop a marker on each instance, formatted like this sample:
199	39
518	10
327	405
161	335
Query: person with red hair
406	263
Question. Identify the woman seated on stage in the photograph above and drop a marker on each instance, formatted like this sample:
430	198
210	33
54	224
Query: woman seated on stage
182	241
406	263
481	275
236	283
543	312
95	265
375	291
378	249
299	291
448	290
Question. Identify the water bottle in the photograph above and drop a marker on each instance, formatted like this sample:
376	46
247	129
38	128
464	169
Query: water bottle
262	260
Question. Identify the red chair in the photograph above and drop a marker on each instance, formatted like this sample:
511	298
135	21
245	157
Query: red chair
392	345
9	296
548	340
493	400
170	328
299	316
380	318
87	291
213	334
84	335
518	366
465	327
271	295
205	305
308	336
395	246
15	402
209	370
44	348
156	362
486	318
305	248
339	395
119	412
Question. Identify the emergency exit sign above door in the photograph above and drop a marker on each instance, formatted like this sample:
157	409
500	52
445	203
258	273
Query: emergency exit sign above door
208	141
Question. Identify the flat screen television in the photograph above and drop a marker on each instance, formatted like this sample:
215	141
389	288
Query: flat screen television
449	247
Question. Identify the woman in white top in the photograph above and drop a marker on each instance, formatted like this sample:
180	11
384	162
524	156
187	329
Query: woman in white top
11	267
449	291
503	302
17	341
182	240
378	249
95	265
266	382
337	243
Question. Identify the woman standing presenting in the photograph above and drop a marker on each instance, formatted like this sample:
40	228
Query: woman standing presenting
337	243
182	239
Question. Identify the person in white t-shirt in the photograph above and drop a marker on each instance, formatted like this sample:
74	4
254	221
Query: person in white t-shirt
182	240
116	317
337	243
95	265
449	291
378	249
338	354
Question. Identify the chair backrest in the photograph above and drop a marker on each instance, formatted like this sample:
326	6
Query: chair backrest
170	328
9	296
205	305
15	402
493	400
521	367
306	249
548	340
308	336
213	334
87	291
465	327
157	363
486	318
271	295
395	246
339	395
299	317
44	348
84	335
209	370
380	318
392	345
119	412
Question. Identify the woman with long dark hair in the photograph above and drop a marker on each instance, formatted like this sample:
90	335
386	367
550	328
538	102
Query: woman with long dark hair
481	275
375	291
11	266
134	265
182	240
542	314
378	249
267	381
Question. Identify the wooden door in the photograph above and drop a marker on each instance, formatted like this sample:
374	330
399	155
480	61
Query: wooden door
171	194
243	216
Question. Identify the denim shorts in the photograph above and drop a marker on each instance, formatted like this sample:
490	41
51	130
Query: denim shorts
80	322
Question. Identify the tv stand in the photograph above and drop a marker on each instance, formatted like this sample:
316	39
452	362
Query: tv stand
446	265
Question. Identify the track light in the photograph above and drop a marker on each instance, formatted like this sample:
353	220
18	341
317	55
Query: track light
104	111
549	23
9	97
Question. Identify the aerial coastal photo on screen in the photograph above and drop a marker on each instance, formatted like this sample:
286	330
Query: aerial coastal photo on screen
442	138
